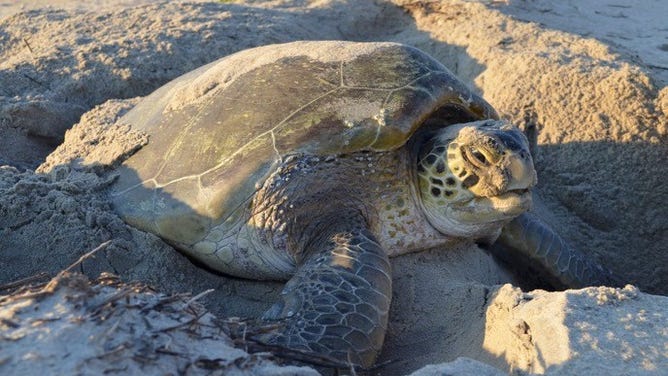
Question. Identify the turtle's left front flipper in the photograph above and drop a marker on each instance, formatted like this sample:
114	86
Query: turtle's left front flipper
528	237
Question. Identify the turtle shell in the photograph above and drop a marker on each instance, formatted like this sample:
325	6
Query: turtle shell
216	133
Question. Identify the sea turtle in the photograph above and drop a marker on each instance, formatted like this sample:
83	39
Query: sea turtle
314	162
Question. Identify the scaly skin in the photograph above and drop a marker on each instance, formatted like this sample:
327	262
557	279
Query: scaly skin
338	302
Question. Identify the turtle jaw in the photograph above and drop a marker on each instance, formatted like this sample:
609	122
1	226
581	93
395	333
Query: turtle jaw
503	207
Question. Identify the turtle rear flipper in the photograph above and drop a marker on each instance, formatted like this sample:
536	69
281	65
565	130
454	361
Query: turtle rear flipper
337	303
529	238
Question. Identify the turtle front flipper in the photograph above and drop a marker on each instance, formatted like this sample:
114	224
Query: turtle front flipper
337	303
526	236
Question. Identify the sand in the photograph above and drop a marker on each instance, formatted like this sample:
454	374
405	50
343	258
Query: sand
592	82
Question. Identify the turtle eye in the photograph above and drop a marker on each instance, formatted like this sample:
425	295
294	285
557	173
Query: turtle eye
480	157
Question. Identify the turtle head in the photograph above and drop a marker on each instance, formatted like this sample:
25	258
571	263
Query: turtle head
474	177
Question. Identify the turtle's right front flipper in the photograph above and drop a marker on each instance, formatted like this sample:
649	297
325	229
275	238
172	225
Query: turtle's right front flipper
526	236
337	303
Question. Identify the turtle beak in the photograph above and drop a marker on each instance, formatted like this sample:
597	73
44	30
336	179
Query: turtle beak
513	199
521	172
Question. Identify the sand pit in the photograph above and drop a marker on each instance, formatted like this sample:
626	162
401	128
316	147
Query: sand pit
600	106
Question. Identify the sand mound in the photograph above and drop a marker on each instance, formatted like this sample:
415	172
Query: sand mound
601	157
70	326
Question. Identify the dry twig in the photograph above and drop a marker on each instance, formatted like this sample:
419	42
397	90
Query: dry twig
86	256
24	281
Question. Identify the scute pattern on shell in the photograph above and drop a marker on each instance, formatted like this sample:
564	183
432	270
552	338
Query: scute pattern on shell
207	153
